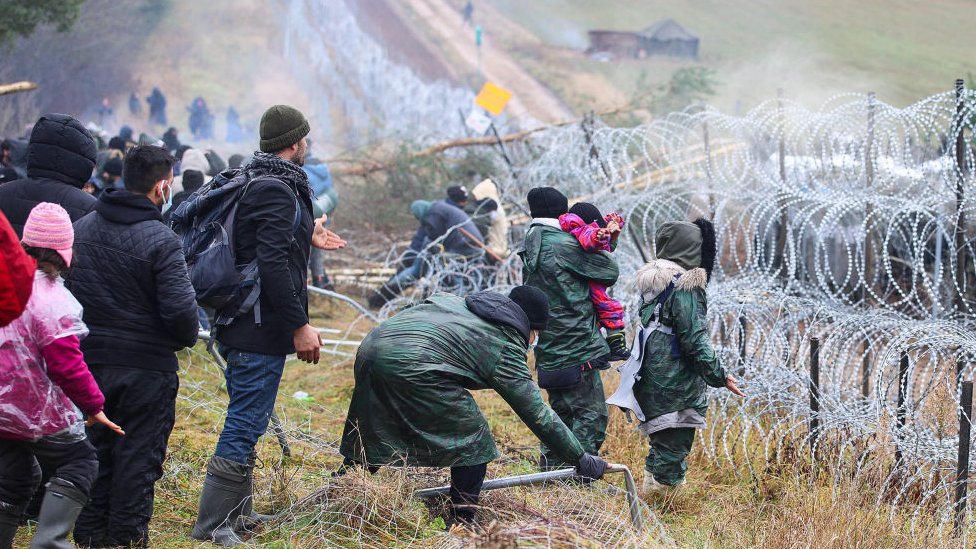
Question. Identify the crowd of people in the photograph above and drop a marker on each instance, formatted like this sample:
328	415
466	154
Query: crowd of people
100	293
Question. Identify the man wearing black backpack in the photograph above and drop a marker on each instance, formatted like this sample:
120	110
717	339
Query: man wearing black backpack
268	230
129	274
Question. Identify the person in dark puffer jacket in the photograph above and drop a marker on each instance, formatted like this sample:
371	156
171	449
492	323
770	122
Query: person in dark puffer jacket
130	275
60	158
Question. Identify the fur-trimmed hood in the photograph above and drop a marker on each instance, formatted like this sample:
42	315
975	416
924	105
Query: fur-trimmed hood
654	277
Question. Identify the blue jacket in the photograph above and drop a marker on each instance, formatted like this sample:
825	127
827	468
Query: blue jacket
440	220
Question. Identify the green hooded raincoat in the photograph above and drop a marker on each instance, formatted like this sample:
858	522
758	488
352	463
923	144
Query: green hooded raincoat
411	404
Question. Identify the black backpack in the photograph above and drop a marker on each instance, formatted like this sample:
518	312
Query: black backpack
205	222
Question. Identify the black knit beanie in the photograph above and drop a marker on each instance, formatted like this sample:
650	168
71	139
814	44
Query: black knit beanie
282	126
534	302
588	213
457	193
547	202
192	180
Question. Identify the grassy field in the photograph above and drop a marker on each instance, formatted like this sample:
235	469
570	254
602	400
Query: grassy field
903	50
720	506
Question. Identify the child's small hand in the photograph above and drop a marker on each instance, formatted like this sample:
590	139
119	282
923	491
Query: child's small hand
613	226
100	418
603	234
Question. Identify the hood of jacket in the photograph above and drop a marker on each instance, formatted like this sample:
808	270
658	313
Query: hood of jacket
195	159
61	148
18	152
486	189
498	309
127	208
654	277
319	178
680	242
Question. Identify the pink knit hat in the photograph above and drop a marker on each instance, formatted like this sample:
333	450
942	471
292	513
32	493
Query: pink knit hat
48	226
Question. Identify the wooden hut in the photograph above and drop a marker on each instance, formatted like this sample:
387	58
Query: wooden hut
664	38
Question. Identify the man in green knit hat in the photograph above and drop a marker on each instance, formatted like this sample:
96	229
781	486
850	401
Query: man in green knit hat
274	227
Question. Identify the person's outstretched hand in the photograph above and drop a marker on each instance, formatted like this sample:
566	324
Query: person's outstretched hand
307	343
101	418
323	238
731	386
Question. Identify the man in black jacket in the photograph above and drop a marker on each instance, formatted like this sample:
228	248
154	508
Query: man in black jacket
60	159
129	274
274	225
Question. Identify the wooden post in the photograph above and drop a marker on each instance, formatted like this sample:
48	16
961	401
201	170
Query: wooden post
962	459
814	394
900	411
866	372
961	256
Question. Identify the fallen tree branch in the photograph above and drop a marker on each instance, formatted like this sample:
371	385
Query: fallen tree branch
17	87
366	167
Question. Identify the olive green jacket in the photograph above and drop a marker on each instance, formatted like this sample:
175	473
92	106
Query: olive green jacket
554	262
668	384
411	403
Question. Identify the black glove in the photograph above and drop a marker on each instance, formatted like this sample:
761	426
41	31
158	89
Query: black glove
591	466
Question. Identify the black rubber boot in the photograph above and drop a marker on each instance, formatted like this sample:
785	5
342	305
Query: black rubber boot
383	295
618	346
59	510
9	520
221	502
249	520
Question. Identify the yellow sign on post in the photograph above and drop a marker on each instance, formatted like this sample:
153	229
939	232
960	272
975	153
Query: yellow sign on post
492	98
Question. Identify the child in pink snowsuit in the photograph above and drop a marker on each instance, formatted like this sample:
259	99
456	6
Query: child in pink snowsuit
46	391
595	233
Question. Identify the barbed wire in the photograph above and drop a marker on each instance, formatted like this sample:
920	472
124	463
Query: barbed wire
848	223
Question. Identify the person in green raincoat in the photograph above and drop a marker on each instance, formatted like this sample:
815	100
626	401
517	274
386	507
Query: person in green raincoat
411	404
673	355
571	352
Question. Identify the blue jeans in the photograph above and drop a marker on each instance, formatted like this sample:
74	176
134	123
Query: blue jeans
252	385
406	278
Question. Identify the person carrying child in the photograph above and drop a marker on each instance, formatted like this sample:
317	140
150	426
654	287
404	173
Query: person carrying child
595	233
48	392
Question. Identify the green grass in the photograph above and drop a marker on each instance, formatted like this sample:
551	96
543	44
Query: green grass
904	50
720	506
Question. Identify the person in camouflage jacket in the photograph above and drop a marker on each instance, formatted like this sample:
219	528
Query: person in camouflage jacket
571	352
676	360
412	405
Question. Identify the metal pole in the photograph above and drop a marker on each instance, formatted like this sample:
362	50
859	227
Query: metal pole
636	517
742	345
961	257
900	411
814	394
708	170
868	212
781	234
962	459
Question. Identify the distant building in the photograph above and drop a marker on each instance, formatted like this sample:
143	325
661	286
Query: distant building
666	38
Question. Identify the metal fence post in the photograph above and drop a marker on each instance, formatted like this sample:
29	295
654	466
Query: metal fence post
900	411
814	394
962	461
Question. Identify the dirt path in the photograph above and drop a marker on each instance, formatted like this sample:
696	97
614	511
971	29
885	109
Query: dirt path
531	99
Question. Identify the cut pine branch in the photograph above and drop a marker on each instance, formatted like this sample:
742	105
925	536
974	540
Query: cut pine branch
15	87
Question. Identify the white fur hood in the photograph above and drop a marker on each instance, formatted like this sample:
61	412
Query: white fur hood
654	277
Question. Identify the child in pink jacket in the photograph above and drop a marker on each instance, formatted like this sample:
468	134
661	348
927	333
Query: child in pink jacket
46	391
596	233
